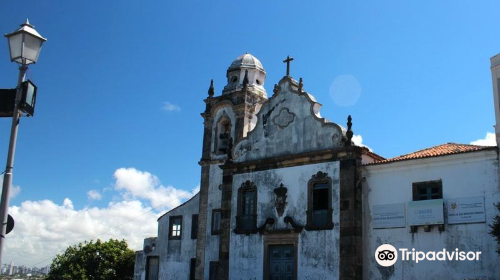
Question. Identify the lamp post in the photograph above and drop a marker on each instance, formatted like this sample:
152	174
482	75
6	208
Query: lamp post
25	44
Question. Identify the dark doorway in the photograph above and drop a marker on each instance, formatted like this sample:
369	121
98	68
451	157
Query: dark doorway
213	273
192	269
281	262
153	266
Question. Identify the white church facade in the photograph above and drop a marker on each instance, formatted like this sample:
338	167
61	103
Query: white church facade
285	194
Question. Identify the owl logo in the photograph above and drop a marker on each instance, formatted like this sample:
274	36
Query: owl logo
386	255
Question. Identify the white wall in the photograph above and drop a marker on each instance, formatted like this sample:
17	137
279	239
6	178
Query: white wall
463	175
318	251
175	255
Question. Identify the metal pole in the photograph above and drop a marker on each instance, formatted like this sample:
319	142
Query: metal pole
7	177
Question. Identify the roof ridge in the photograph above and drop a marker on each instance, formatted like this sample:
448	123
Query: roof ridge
471	145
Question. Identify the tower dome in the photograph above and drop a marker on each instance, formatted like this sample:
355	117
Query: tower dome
246	70
246	60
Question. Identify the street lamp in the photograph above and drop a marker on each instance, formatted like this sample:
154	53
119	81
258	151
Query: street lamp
25	44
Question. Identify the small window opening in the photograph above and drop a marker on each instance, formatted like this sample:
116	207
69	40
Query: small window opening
428	190
216	221
224	132
175	227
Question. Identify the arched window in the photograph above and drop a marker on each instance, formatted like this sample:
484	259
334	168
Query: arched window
319	202
246	219
222	134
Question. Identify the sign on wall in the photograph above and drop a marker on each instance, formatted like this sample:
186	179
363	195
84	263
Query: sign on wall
425	212
389	215
466	210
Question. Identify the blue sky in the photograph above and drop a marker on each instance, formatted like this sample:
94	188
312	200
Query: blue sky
420	68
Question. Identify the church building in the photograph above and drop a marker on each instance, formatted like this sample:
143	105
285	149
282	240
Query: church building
285	194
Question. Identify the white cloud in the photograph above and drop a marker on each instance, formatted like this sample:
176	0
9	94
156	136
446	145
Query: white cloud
144	185
358	141
169	107
94	195
488	140
68	203
44	228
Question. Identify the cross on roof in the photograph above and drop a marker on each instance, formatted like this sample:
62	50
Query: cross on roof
287	61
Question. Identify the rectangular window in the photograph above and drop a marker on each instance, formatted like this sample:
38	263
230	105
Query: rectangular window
427	190
320	204
153	266
192	269
248	210
216	221
175	228
194	226
246	215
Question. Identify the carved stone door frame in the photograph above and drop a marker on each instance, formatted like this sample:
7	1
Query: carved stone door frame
280	239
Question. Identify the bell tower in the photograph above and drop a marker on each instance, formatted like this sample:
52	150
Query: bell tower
227	119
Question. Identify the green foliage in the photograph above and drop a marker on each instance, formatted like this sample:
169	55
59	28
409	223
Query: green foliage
111	260
495	228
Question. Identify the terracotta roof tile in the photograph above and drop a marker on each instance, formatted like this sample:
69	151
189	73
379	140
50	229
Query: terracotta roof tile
440	150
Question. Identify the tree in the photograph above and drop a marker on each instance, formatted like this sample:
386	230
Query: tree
111	260
495	228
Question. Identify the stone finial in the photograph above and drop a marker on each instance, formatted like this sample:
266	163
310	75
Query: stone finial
245	79
301	85
211	89
276	88
349	132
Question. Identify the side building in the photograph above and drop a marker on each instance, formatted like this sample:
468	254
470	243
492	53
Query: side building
448	192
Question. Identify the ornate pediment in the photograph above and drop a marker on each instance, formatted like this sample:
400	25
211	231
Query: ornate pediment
288	123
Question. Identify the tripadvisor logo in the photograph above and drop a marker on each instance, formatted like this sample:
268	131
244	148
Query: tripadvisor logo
387	255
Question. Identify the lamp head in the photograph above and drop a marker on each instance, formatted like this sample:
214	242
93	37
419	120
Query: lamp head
25	44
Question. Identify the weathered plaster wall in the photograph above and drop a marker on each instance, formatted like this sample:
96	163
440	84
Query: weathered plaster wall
287	124
318	251
214	200
140	266
175	255
463	175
